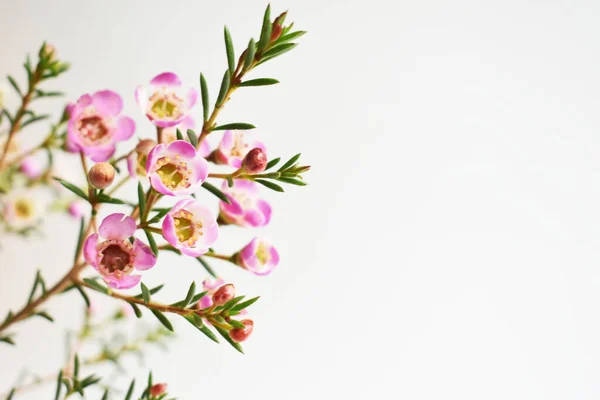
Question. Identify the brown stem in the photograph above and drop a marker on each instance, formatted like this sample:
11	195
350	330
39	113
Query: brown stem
219	256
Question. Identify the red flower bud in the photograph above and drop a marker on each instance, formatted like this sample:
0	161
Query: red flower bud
158	388
239	334
255	161
223	294
101	175
276	32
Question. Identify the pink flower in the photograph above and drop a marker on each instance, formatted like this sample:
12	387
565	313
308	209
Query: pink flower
113	256
158	389
31	168
233	148
170	135
136	160
239	334
176	169
246	209
190	227
210	286
77	208
258	257
94	126
165	102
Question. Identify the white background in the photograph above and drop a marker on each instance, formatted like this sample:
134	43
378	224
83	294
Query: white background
447	246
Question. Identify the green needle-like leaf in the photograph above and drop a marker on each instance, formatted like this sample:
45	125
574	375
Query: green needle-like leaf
293	181
72	188
190	295
130	390
277	51
226	336
141	199
236	324
290	162
265	33
272	163
83	294
217	192
290	36
245	304
204	93
45	315
259	82
94	284
14	85
207	267
163	320
145	293
235	126
152	242
154	290
230	52
270	185
224	88
179	134
193	137
250	53
197	297
136	310
58	385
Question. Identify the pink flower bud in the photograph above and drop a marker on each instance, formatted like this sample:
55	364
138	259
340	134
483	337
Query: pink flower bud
101	175
238	334
30	167
223	294
255	161
158	388
144	146
77	208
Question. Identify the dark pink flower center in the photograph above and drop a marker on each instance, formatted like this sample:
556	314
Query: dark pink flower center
92	129
114	258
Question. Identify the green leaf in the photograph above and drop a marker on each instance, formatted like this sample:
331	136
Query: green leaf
224	88
130	390
198	320
226	336
152	242
293	181
141	199
7	339
205	101
265	33
149	384
83	294
76	366
193	137
236	324
72	188
217	192
89	380
229	181
290	162
105	395
45	315
202	328
35	285
179	134
290	36
207	267
245	304
58	385
197	297
270	185
34	119
163	320
190	295
7	115
235	125
145	293
104	198
233	302
136	310
250	53
272	163
277	51
94	284
152	291
158	216
80	240
259	82
11	394
229	50
14	85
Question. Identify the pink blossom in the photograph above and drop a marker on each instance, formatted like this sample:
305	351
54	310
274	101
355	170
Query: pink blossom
176	169
95	127
210	285
170	135
78	208
190	227
234	147
246	209
258	257
136	160
165	102
113	256
31	168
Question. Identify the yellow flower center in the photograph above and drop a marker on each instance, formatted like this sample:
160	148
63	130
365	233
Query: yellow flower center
263	254
165	105
185	228
24	208
174	173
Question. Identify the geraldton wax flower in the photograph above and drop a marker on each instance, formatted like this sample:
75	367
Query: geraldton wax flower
165	102
20	211
210	286
258	257
95	126
233	148
190	227
246	209
110	252
136	161
176	168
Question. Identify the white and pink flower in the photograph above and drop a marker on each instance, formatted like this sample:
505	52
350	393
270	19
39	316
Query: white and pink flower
190	227
110	252
165	102
258	257
31	168
176	169
95	125
245	208
234	147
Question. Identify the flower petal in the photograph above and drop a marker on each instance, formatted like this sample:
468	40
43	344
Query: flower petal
200	169
182	148
168	231
122	282
131	165
90	250
141	97
100	154
160	187
193	251
166	79
144	257
117	226
107	102
192	97
124	129
153	156
265	209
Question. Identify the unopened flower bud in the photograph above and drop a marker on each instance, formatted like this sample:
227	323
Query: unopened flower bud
49	51
101	175
239	334
276	32
255	161
144	146
157	389
77	208
223	294
31	168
